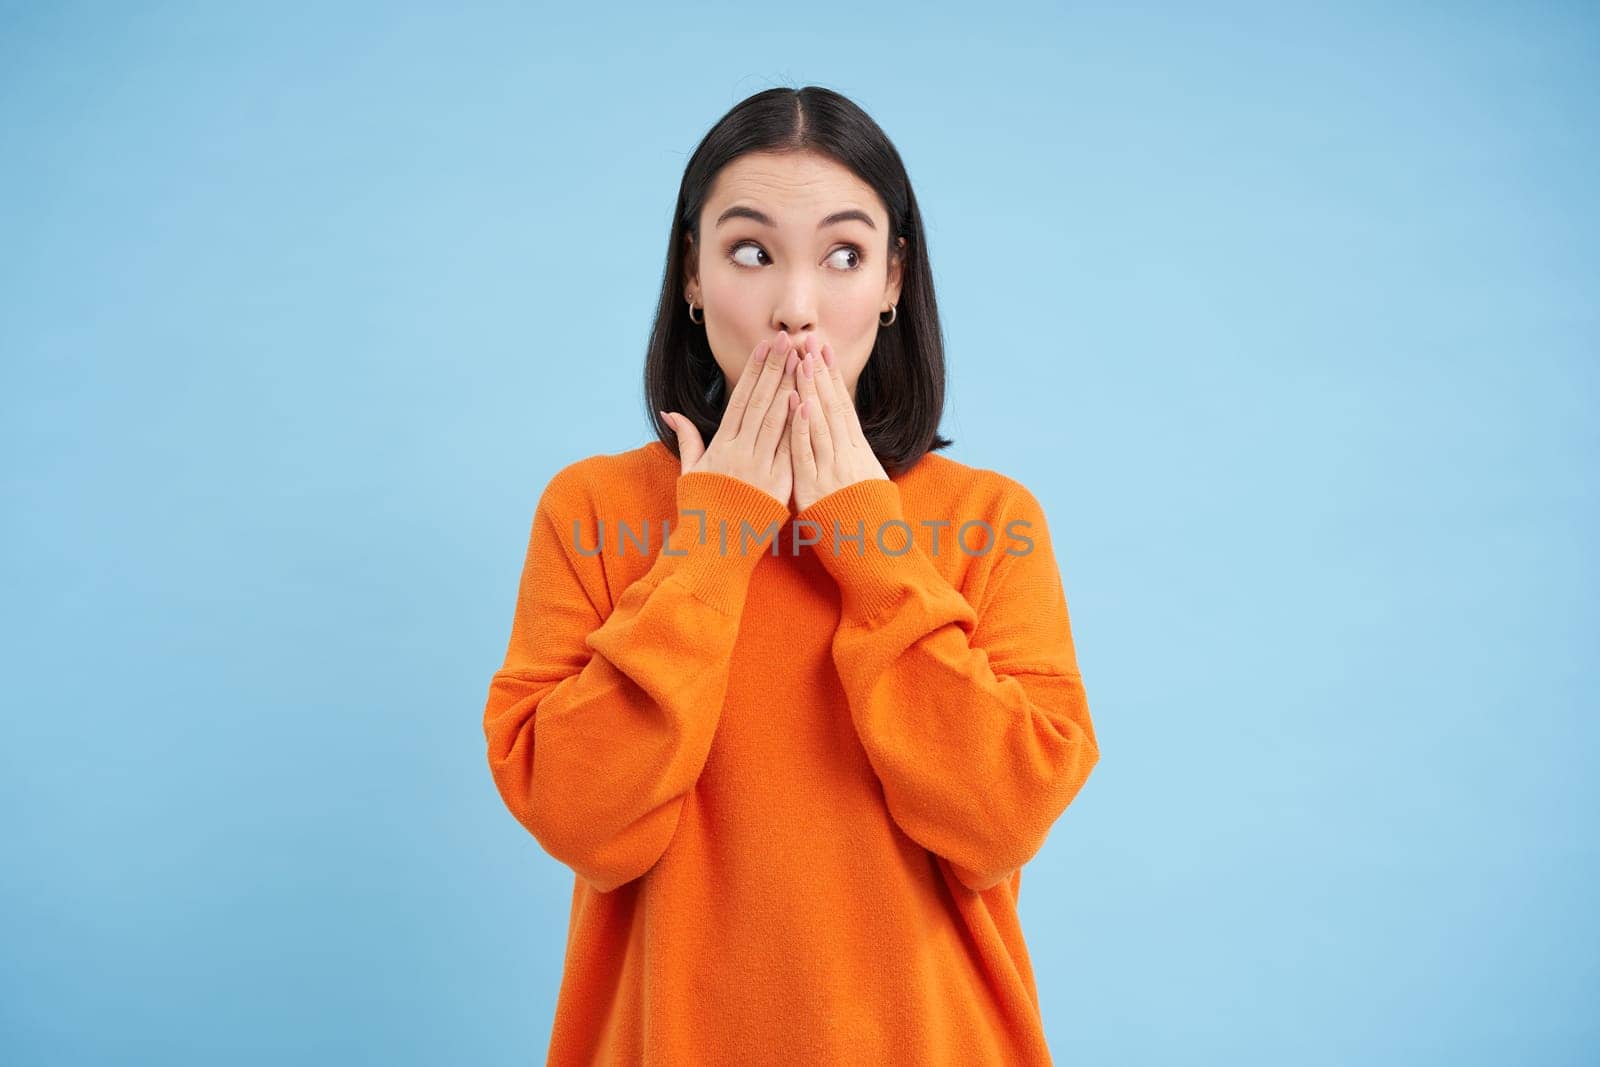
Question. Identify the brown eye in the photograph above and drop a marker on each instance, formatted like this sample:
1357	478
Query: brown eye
733	253
850	250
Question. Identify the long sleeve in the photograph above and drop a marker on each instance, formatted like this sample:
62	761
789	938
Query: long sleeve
975	723
599	724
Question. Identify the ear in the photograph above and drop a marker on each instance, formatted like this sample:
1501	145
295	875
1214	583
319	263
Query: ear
897	267
691	264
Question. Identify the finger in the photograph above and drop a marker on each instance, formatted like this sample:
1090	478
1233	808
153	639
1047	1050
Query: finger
690	447
739	399
781	454
791	370
836	407
819	433
766	390
772	424
836	379
800	449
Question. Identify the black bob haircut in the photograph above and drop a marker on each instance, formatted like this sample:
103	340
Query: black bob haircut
900	394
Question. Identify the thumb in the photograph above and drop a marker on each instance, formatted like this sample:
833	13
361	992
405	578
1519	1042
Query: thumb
690	448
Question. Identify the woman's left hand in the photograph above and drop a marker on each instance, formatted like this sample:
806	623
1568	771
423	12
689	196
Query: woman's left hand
828	449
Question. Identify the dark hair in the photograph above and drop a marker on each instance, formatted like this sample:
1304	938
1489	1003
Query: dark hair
900	394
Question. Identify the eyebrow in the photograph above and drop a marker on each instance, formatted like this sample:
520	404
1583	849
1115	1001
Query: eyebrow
739	211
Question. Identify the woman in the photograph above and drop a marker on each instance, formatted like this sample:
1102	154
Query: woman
795	772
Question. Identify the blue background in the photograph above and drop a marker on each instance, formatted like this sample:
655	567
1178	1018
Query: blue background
1286	314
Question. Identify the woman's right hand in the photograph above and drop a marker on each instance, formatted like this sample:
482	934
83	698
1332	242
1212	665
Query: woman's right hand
750	443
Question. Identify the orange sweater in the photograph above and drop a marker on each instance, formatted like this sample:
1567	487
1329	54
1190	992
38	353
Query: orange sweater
797	789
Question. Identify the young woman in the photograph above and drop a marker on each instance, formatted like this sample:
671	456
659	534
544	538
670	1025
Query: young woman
797	748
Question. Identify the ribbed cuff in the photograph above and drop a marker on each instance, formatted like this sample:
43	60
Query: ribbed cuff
723	527
865	541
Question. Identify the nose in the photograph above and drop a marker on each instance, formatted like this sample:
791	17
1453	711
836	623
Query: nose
796	312
797	330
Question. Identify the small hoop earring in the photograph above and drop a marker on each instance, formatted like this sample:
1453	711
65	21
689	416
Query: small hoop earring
698	322
893	314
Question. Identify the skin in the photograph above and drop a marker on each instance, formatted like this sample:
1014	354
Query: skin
791	313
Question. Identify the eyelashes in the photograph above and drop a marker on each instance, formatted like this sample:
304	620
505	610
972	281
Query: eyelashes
733	249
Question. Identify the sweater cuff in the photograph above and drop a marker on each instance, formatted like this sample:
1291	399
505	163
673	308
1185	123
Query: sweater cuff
723	527
865	541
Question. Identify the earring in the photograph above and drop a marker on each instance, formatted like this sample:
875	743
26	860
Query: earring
893	314
698	322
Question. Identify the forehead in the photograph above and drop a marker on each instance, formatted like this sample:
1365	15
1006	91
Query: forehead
797	187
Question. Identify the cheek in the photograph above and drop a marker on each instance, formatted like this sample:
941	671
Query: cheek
734	320
714	281
858	313
856	333
729	284
741	309
730	365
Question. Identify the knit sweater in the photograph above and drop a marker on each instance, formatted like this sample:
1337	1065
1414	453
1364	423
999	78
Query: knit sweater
796	786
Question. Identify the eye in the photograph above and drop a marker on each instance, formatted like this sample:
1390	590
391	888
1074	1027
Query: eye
849	250
733	253
756	252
